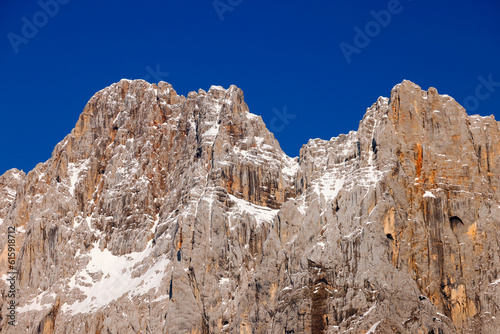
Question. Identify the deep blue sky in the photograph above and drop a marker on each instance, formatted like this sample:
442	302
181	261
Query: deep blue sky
280	53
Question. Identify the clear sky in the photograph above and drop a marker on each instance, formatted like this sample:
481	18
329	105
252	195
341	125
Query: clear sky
321	61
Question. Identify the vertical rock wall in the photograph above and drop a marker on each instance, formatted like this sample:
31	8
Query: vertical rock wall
169	214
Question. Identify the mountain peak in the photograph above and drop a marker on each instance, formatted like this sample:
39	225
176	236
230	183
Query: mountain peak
163	212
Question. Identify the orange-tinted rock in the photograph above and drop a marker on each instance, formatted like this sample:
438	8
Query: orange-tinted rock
170	214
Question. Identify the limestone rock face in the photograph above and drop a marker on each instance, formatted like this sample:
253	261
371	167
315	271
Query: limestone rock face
161	213
8	189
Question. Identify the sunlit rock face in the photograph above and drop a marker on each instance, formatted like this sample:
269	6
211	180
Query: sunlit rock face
161	213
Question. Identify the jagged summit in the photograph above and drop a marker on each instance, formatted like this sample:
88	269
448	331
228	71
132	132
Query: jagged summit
170	214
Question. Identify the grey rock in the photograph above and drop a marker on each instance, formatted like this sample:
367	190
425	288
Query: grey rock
161	213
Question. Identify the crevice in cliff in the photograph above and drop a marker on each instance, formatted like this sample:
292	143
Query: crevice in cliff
201	305
320	293
47	324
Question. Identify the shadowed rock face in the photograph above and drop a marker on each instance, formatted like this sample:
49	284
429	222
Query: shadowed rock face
162	213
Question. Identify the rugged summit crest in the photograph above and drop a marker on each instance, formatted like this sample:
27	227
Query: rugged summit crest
170	214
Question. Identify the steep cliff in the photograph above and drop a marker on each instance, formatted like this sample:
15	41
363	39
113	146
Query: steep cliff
161	213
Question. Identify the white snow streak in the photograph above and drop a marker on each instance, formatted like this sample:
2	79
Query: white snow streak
36	304
74	171
224	280
108	277
429	194
495	282
260	213
373	328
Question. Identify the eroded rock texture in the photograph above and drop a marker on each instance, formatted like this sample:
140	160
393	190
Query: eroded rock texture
161	213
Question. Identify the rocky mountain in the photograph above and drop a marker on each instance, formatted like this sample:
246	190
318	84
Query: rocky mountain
161	213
